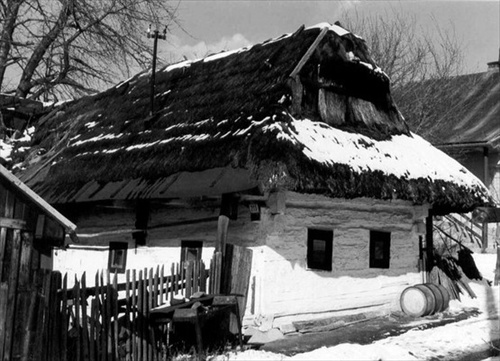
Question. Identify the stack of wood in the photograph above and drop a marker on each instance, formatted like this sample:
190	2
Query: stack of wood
455	274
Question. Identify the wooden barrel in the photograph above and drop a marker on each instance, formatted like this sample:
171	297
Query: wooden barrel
438	295
418	301
446	297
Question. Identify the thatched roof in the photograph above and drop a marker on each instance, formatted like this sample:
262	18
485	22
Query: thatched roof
308	111
468	110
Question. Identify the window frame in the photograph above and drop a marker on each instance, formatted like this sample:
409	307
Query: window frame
186	246
380	241
323	235
117	250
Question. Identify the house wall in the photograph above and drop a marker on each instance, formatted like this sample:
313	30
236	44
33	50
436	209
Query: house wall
281	286
290	291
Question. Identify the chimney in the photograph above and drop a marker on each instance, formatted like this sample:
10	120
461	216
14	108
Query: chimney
494	66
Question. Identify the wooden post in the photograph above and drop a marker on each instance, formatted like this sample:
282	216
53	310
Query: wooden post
222	226
486	175
429	242
497	268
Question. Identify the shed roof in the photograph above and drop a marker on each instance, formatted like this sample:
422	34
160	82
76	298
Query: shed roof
227	123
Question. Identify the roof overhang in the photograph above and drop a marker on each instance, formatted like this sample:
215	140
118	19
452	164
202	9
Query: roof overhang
68	226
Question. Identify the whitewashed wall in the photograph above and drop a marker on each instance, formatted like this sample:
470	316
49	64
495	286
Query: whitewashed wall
284	285
281	286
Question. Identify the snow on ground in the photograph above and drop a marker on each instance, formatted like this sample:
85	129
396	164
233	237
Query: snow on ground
448	341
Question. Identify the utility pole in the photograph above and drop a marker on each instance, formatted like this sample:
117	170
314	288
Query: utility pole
155	35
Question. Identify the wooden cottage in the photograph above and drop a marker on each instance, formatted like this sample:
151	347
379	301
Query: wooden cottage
29	229
292	148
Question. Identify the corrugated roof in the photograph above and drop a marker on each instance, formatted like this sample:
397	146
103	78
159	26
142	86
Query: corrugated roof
227	123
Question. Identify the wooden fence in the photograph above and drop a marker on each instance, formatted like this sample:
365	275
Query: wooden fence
109	321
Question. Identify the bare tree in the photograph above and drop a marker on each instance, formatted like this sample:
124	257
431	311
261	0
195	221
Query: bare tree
73	47
421	63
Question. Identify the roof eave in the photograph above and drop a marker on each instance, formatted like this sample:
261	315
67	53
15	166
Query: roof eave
39	201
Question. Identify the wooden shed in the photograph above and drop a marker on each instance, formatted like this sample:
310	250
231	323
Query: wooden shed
292	148
29	229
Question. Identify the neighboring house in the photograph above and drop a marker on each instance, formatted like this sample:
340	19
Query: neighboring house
292	148
29	229
465	123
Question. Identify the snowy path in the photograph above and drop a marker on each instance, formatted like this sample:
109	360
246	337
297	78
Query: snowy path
446	342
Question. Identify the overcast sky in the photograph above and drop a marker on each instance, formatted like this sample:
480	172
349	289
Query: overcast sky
212	26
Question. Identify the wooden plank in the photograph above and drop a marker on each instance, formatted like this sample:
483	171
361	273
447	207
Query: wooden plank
222	226
162	297
3	246
77	324
497	267
10	200
44	317
150	305
196	276
115	317
107	319
4	291
23	296
308	53
85	321
13	278
94	314
188	266
35	348
53	340
144	305
13	223
104	314
140	301
128	298
100	339
64	319
93	321
30	327
156	284
134	316
203	277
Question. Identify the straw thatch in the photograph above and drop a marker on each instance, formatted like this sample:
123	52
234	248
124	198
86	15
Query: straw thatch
308	111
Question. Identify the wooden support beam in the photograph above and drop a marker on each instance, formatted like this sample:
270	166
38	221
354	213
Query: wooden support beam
429	242
222	225
13	223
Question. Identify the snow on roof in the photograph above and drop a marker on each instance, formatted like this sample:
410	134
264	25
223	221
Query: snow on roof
404	156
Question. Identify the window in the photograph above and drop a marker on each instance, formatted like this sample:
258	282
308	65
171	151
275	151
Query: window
380	247
319	249
117	259
191	251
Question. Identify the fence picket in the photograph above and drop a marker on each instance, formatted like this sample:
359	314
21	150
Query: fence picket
128	301
104	329
84	330
64	319
109	321
114	307
76	323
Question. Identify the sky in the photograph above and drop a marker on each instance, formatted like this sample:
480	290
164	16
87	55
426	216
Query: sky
210	26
